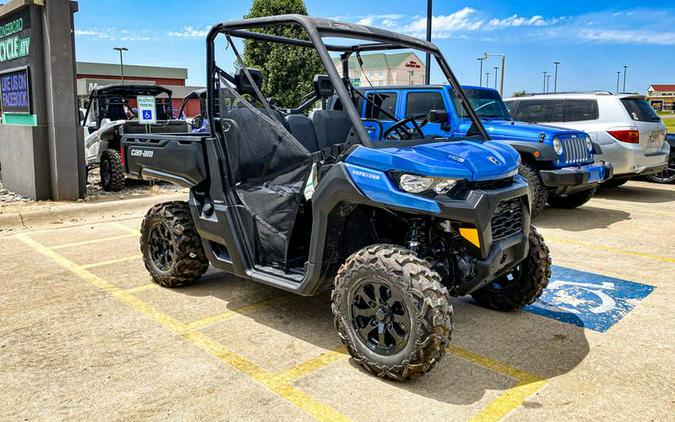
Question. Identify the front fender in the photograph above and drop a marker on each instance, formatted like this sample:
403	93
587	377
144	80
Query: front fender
546	152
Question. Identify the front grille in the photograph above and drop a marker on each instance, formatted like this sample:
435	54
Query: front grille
492	184
575	150
508	219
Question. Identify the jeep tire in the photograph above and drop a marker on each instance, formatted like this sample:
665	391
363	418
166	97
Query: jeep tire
172	250
538	192
112	171
572	200
391	312
523	284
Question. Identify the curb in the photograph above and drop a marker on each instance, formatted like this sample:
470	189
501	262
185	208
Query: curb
59	214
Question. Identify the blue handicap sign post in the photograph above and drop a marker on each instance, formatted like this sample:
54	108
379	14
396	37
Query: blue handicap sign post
588	300
147	114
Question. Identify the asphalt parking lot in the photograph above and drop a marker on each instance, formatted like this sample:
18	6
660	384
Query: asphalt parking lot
85	334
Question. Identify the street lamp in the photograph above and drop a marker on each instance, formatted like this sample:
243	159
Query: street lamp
486	55
548	83
545	73
480	74
487	79
496	68
121	50
618	76
555	79
624	77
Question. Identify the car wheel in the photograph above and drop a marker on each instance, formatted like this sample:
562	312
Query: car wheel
538	192
112	171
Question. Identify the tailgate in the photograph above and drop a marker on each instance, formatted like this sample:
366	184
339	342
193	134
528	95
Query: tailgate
178	159
651	128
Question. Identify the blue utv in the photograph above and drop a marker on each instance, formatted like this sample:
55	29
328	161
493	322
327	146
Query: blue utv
308	201
557	163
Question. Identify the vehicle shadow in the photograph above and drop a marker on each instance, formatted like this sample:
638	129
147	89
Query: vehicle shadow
579	219
540	346
645	195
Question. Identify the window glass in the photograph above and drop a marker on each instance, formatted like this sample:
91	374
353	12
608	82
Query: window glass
423	102
383	101
510	105
539	111
579	110
487	103
640	110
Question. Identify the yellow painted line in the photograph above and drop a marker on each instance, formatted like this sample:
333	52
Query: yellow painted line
126	228
510	399
89	242
142	288
111	262
242	310
314	364
315	408
610	249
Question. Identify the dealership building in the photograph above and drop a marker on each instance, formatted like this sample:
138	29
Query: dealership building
93	75
662	97
380	69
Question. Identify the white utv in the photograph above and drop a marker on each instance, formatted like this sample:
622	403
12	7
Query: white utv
110	113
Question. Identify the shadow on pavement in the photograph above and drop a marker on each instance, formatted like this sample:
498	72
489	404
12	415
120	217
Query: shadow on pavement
579	219
645	195
531	343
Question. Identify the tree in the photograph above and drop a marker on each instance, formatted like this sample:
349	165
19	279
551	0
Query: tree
288	69
519	93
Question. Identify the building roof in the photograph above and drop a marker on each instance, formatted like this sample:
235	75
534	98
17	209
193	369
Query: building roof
378	60
663	87
109	69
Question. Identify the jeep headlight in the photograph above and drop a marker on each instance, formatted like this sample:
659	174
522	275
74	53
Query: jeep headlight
557	146
589	144
413	183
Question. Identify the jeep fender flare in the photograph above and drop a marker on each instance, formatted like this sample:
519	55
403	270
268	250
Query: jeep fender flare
527	150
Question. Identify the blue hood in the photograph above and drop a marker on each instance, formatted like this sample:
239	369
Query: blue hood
500	129
470	160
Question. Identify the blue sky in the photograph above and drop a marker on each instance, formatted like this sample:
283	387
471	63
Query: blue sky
591	39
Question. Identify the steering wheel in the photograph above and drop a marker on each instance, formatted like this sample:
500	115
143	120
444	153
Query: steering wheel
401	131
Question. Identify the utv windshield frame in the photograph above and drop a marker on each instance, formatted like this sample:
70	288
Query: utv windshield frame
317	29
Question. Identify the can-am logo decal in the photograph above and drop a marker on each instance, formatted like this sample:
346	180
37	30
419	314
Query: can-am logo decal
493	160
365	174
145	153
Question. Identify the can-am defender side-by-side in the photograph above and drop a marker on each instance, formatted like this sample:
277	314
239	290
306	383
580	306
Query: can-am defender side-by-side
111	112
309	201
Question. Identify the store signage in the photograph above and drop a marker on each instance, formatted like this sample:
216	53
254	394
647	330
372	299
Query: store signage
14	41
15	91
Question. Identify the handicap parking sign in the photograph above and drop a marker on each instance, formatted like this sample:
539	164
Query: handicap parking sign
147	109
588	300
147	114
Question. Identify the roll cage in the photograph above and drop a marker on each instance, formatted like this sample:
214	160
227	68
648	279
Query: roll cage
116	91
317	29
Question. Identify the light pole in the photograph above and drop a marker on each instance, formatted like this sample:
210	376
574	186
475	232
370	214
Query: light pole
501	88
121	50
427	71
618	76
545	73
624	77
548	83
496	68
555	79
487	79
480	74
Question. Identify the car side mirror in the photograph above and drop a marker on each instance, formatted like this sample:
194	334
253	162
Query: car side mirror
440	116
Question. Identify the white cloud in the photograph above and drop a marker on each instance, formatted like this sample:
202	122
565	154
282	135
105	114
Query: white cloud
516	20
190	32
628	36
113	34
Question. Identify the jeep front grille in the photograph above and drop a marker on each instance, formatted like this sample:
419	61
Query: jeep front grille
508	219
575	150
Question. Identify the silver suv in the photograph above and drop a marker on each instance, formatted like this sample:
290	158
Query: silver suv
629	132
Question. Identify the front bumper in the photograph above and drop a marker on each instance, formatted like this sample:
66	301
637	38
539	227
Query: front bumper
574	178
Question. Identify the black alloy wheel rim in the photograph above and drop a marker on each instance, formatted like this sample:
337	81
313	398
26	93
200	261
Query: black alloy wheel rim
105	172
667	175
380	317
161	246
506	280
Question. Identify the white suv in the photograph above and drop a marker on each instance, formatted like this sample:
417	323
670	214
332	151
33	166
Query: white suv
629	132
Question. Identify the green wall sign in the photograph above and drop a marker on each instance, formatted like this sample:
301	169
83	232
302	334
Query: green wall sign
15	37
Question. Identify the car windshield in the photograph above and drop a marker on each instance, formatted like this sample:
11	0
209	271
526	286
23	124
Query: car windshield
487	103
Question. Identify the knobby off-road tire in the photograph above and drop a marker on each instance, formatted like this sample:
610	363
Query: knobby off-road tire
572	200
524	284
538	192
112	171
417	305
172	249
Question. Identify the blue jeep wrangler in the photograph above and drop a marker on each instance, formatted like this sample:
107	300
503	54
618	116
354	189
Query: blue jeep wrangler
557	163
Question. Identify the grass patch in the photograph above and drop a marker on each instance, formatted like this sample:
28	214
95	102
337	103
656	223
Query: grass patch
670	124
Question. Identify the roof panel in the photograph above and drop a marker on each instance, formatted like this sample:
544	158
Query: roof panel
109	69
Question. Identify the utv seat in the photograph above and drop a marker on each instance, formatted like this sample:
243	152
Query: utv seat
331	127
302	129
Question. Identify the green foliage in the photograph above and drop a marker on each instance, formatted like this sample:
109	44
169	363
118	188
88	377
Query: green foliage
519	93
288	69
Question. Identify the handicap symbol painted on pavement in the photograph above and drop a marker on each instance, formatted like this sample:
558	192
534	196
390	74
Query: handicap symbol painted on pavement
147	114
588	300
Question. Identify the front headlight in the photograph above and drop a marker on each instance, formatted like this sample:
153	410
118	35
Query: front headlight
557	146
589	144
413	183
